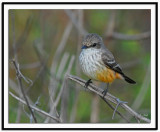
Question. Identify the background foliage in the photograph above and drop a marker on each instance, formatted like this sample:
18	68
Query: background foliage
34	38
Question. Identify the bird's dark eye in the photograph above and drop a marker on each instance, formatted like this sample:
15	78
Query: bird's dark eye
94	44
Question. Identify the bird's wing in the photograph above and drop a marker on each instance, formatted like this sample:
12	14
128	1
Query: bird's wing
109	61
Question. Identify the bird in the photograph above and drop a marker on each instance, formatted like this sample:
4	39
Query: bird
99	64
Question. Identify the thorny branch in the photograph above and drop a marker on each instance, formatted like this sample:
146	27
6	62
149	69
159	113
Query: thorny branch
107	97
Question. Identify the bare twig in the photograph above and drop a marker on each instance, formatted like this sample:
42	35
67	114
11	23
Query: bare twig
19	76
110	33
62	64
57	57
13	35
56	101
95	109
64	92
116	110
143	90
29	115
52	88
35	108
77	66
25	111
14	87
61	68
19	111
111	25
140	98
131	63
140	36
138	120
43	56
31	65
74	108
24	34
108	96
61	46
72	16
52	91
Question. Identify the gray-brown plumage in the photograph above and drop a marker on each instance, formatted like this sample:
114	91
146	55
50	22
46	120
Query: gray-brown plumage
98	63
96	58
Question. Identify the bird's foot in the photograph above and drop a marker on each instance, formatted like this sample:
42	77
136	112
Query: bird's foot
104	92
87	83
119	102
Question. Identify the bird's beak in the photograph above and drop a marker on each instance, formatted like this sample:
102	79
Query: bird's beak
84	47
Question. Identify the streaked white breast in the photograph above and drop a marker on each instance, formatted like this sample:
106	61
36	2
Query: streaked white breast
90	61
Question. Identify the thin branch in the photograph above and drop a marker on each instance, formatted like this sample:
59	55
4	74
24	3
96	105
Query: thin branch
35	108
24	34
31	65
111	34
140	36
13	35
57	56
72	17
61	68
131	63
62	65
80	15
108	96
53	91
74	107
14	87
141	95
143	90
116	110
61	47
56	101
43	56
19	76
52	88
63	84
94	115
14	45
29	115
65	92
111	25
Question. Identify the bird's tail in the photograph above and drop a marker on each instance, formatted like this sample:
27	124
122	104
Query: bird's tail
127	79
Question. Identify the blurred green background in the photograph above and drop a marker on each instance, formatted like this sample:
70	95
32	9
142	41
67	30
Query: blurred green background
44	42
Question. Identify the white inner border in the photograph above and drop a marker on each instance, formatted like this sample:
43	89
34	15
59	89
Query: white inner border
75	6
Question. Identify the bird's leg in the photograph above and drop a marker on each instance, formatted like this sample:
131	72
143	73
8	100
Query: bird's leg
105	91
118	103
87	83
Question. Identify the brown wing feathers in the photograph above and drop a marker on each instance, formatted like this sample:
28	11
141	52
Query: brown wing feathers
110	62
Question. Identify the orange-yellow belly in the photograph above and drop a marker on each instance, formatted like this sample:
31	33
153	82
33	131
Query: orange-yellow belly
107	75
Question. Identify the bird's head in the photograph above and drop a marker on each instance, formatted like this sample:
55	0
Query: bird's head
92	41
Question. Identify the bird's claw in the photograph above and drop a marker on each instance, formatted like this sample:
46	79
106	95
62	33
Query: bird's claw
104	92
87	83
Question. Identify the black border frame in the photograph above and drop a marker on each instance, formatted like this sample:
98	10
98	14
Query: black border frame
156	65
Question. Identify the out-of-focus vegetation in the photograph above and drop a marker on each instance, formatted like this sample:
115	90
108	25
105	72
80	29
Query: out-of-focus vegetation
36	35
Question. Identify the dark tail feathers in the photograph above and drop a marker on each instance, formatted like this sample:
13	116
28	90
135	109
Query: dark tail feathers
127	79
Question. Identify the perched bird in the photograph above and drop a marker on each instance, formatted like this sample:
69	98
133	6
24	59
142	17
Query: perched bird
99	64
